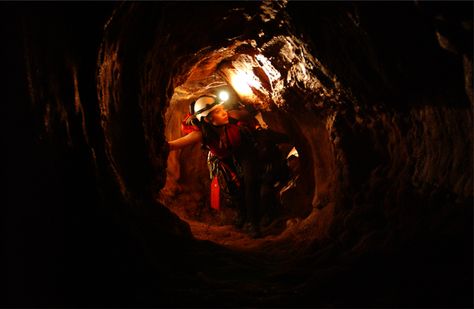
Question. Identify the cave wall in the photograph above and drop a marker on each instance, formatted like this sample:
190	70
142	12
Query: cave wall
392	138
70	236
394	145
389	125
410	101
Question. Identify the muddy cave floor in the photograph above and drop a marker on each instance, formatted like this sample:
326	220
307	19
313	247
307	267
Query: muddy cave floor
230	268
243	270
217	225
234	269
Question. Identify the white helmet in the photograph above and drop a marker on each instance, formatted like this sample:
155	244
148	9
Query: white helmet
204	105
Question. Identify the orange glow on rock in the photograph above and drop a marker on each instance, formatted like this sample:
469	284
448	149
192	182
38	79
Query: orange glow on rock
241	82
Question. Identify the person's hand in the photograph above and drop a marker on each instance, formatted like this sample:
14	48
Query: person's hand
189	120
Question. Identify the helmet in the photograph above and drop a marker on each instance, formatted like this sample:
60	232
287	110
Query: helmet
204	105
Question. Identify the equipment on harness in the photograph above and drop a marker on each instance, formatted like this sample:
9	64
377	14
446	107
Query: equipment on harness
215	194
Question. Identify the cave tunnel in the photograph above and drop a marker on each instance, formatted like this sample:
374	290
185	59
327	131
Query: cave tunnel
376	98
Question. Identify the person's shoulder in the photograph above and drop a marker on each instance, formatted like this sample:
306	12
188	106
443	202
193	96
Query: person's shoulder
234	123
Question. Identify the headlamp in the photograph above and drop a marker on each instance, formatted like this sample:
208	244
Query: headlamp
223	96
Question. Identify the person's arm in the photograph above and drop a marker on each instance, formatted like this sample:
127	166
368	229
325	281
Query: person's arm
187	140
239	114
247	113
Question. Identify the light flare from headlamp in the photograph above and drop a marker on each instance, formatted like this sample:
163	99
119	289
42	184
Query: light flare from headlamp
240	81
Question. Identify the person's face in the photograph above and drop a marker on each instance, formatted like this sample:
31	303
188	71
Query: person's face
219	117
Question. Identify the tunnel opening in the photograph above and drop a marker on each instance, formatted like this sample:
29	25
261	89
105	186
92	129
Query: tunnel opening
247	78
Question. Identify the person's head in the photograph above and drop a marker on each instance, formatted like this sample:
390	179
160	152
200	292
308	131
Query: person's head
218	116
208	108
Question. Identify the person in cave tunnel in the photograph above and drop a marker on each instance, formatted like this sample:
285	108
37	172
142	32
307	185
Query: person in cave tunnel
245	164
